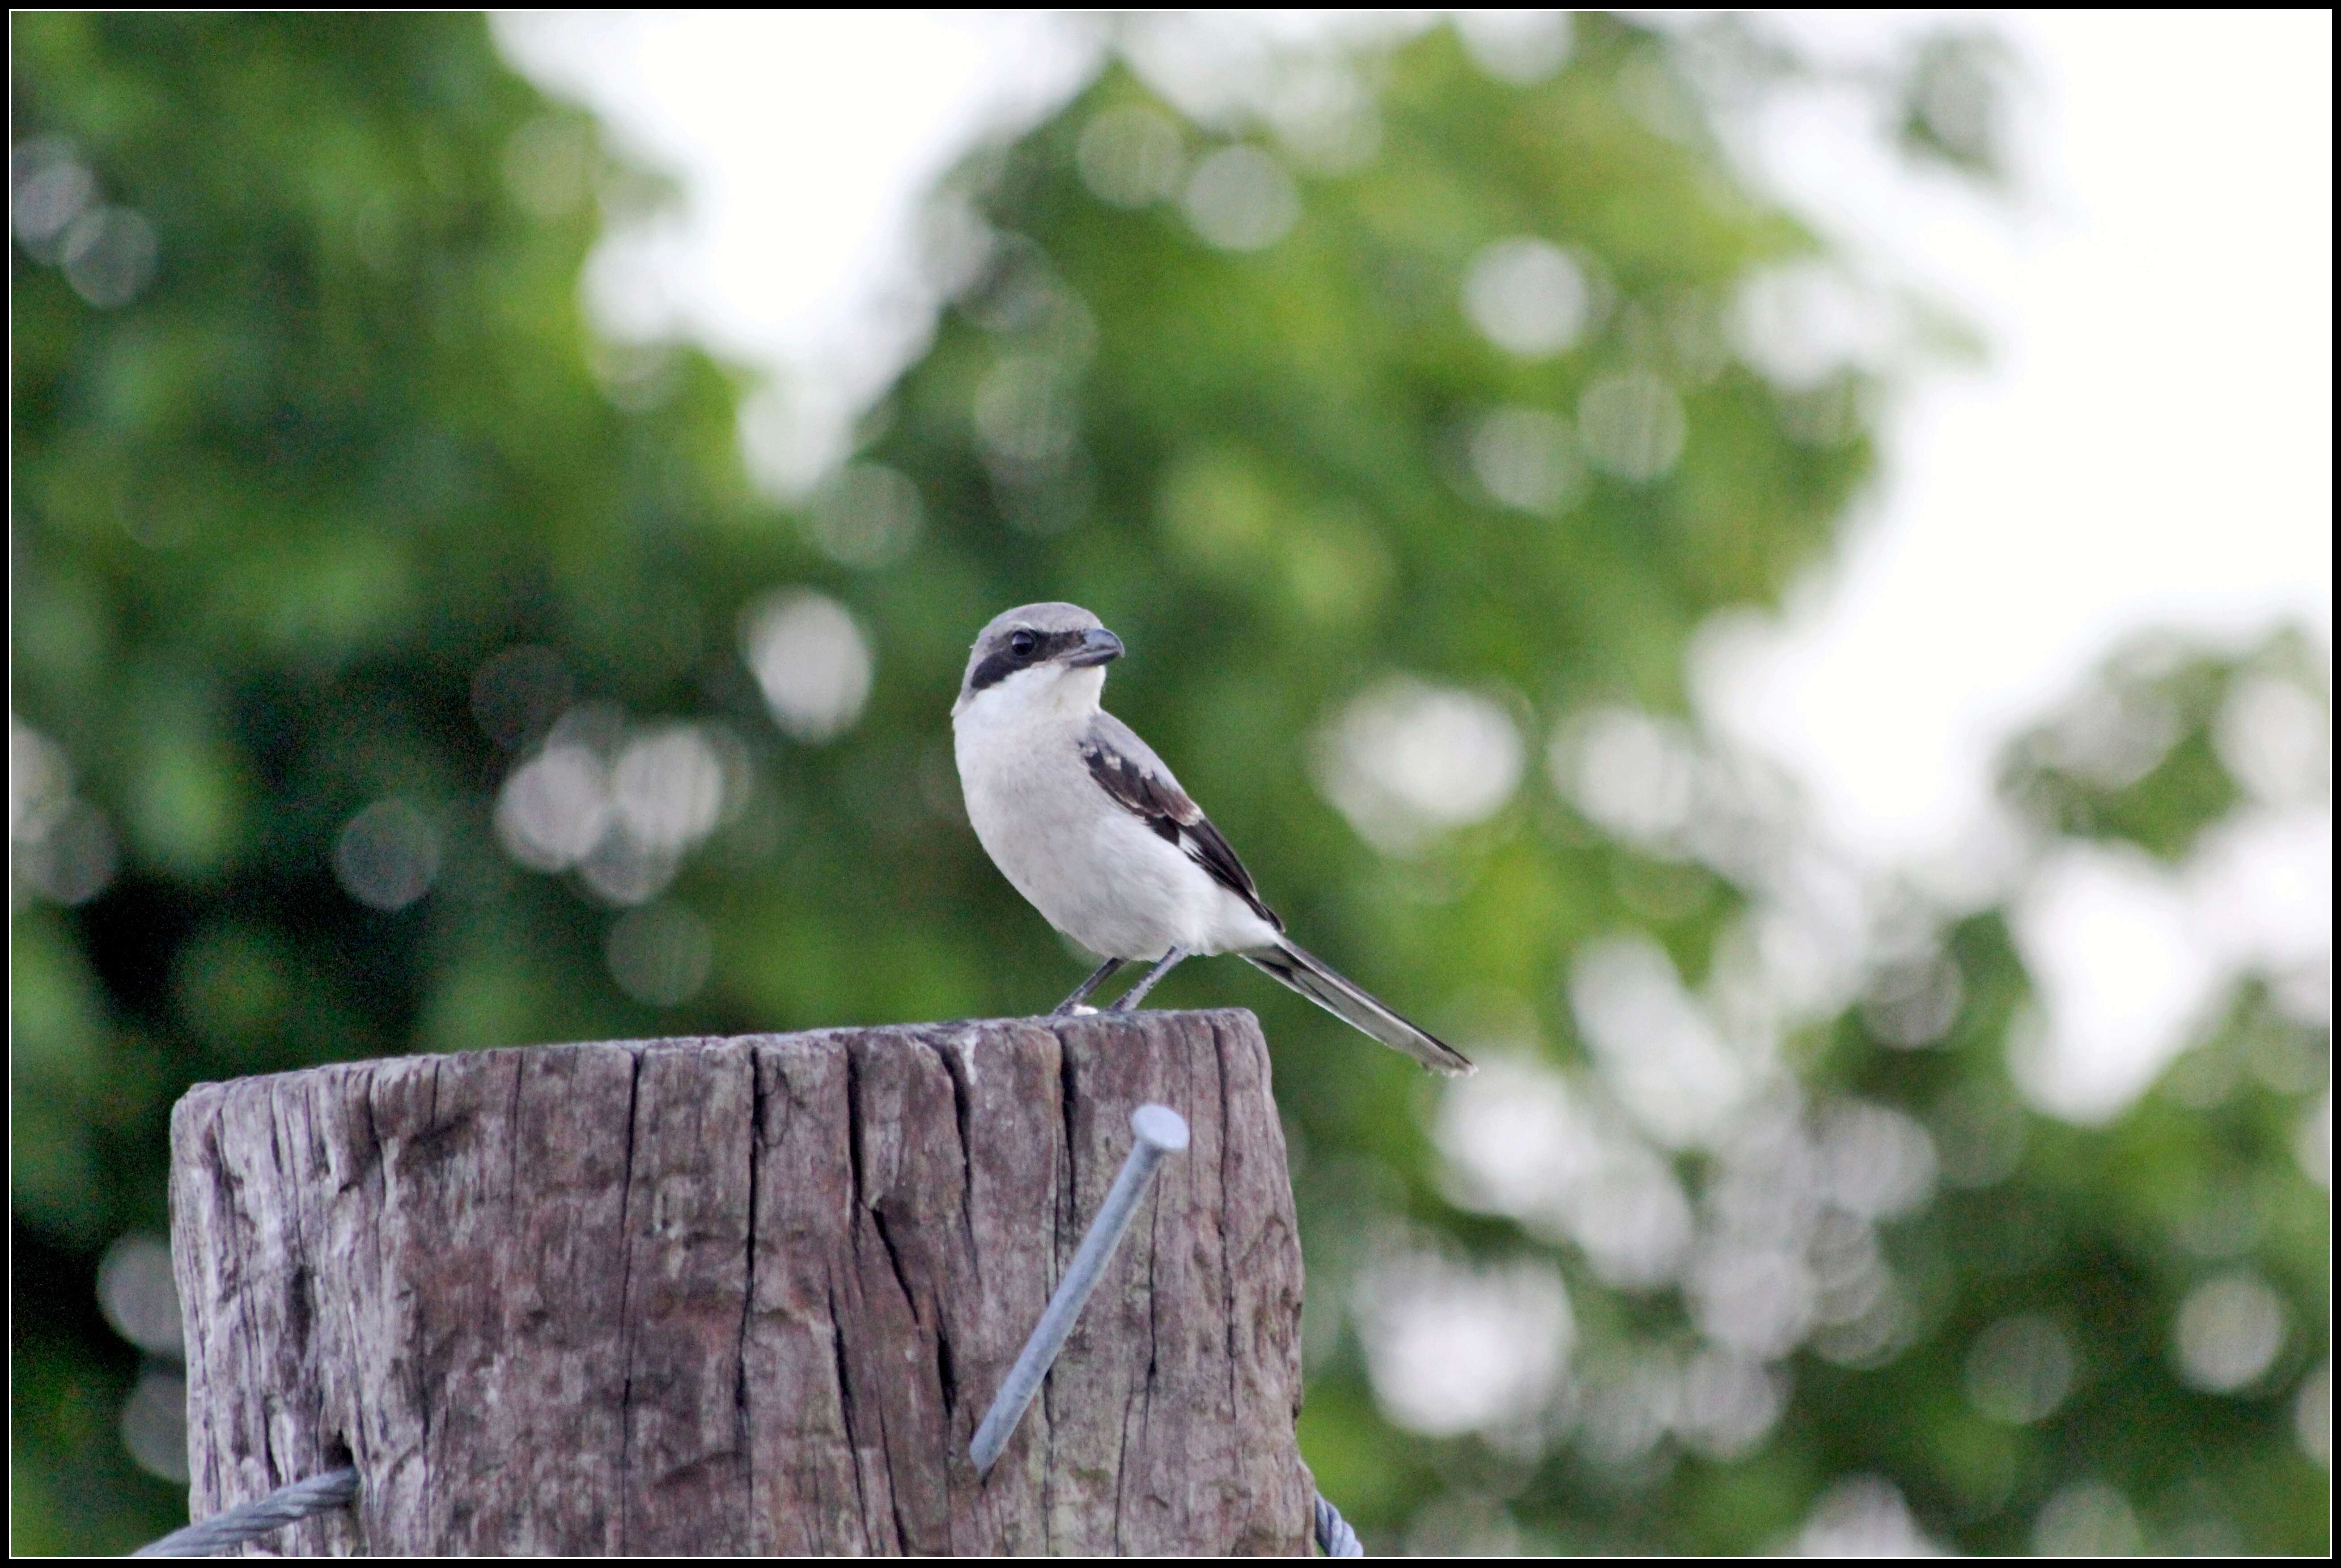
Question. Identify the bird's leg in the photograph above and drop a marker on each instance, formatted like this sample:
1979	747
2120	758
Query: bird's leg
1082	992
1136	993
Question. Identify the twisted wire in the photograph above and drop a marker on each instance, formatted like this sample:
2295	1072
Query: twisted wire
250	1521
335	1488
1334	1536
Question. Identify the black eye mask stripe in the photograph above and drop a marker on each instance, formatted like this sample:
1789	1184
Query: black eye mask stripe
1002	662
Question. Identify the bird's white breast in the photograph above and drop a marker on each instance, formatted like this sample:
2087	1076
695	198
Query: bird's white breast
1091	868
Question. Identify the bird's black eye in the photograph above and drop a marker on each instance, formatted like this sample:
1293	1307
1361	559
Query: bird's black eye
1022	643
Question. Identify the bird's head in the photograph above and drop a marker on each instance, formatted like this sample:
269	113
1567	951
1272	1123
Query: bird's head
1039	653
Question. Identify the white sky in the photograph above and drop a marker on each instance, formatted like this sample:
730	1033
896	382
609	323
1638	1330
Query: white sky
2149	443
804	140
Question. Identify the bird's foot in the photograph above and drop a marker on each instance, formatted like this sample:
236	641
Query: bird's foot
1136	993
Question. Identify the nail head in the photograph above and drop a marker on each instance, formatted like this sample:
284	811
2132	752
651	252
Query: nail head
1160	1125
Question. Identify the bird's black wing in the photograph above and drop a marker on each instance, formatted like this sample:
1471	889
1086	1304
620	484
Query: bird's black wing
1129	771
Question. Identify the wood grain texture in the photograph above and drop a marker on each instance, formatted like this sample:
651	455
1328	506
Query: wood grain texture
747	1295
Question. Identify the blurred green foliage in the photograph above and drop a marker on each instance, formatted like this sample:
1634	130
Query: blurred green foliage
310	435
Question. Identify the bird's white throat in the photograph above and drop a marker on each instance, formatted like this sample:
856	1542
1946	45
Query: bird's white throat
1047	692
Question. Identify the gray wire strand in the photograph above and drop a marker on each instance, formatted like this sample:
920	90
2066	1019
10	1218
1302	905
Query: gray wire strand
335	1488
1334	1536
250	1521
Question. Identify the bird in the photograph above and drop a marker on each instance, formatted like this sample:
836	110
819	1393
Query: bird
1088	823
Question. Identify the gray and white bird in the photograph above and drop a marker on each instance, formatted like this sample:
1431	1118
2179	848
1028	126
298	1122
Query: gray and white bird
1087	822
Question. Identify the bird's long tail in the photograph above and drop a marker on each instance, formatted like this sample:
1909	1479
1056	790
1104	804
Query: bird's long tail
1314	980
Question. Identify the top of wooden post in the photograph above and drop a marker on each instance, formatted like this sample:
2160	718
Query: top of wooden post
747	1295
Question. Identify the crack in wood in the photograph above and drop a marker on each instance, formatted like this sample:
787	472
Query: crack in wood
625	1299
743	1428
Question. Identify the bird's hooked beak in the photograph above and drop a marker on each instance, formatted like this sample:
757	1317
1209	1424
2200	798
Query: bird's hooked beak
1098	645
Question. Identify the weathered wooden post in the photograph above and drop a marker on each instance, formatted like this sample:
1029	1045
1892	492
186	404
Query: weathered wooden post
746	1295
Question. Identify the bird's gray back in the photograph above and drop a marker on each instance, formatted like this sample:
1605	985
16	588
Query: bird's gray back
1116	735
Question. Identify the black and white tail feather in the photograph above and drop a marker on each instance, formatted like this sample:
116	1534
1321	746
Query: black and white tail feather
1314	980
